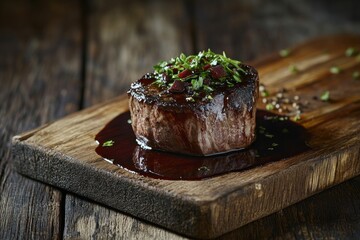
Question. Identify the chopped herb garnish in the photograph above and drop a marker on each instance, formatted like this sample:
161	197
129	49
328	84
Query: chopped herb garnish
204	169
293	69
190	99
269	107
356	75
201	72
264	93
350	52
325	96
284	52
297	118
262	129
108	143
274	144
269	135
335	70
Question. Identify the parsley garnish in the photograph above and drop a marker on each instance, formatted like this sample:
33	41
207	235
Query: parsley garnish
284	52
201	72
350	52
293	69
335	70
356	75
108	143
269	107
325	96
297	118
264	93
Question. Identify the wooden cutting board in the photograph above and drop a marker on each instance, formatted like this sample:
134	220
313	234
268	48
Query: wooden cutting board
62	153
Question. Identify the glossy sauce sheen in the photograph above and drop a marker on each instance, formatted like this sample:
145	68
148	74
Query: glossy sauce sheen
276	139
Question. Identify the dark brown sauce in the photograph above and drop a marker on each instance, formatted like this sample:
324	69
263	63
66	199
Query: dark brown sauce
277	139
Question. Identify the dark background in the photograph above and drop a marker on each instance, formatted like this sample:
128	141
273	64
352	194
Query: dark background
57	57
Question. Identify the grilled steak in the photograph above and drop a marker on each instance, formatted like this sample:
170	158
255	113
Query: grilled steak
200	111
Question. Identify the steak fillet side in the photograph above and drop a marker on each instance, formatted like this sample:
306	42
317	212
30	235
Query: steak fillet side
166	121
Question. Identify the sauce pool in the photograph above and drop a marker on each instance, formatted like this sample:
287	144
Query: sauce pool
277	138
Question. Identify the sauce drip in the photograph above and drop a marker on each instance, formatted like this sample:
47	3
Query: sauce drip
276	138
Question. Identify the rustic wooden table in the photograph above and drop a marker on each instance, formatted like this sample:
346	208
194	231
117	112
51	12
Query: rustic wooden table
61	56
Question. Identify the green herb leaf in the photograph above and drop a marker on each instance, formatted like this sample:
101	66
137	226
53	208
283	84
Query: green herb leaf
293	69
207	88
203	169
356	75
190	99
264	93
197	84
284	52
269	107
108	143
269	135
335	70
350	52
297	118
325	96
237	78
200	68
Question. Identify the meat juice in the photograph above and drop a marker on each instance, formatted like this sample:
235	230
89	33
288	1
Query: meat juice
277	138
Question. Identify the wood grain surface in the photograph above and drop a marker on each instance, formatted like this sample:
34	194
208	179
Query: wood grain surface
246	30
209	208
38	42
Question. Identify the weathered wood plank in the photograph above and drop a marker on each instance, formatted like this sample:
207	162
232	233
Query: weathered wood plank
217	205
333	214
39	75
249	30
87	220
326	14
125	39
254	29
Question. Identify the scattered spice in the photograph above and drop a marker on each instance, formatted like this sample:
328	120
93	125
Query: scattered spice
284	52
108	143
335	70
281	102
325	96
